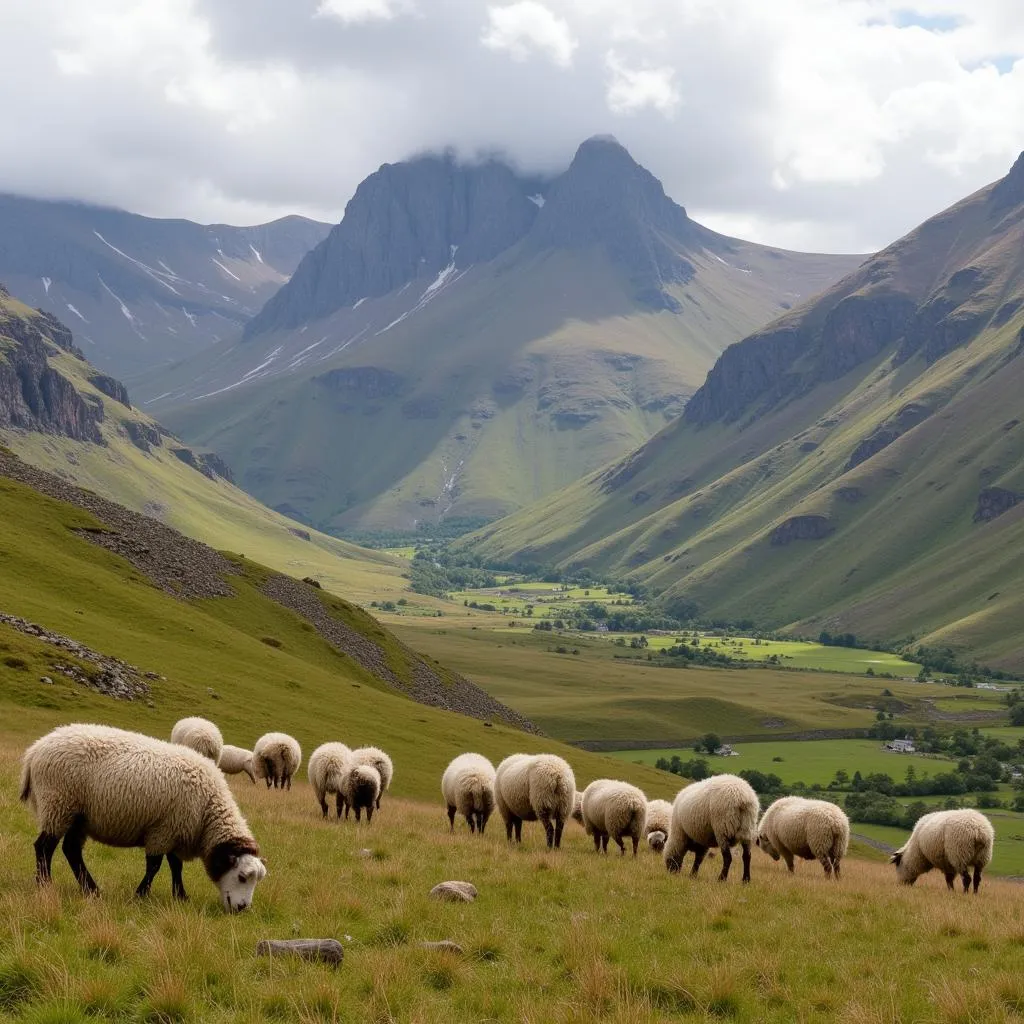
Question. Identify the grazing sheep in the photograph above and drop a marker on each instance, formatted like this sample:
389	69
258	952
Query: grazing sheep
659	817
468	789
125	789
613	809
535	787
235	761
376	758
276	758
952	841
326	767
811	829
360	789
720	811
200	735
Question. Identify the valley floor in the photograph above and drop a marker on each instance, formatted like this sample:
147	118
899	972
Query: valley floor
566	936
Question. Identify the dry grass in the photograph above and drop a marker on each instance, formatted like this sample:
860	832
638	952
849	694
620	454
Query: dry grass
570	936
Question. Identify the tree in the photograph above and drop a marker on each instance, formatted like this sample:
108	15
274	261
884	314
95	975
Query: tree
709	742
911	775
840	780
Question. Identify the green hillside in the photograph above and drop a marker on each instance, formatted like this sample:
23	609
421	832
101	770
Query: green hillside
476	388
855	466
534	945
131	459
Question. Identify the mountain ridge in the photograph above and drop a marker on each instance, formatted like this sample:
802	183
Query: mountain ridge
836	462
477	386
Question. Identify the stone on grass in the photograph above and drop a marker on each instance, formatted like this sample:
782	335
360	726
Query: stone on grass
454	892
326	951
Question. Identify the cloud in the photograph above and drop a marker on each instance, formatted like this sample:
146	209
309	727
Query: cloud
355	11
824	124
630	90
524	27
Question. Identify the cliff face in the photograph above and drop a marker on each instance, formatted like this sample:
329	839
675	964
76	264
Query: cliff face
33	395
906	297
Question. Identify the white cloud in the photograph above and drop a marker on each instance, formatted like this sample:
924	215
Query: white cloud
355	11
527	26
632	89
831	124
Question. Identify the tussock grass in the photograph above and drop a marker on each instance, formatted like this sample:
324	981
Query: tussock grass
568	936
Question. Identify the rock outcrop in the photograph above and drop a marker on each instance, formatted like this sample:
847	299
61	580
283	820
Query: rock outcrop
807	527
994	501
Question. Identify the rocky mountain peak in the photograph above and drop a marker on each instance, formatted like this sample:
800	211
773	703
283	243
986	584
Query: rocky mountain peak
1010	191
405	221
607	199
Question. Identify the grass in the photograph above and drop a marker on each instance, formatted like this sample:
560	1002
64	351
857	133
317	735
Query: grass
808	761
592	696
537	945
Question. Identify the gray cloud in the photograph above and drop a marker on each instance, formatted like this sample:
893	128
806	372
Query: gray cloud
828	124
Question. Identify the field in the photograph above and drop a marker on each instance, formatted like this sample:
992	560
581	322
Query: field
592	696
810	761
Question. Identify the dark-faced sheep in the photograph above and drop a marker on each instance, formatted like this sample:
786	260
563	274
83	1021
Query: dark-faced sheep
125	789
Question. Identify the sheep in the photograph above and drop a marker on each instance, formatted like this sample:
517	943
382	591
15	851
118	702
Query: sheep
720	811
125	789
952	841
659	816
376	758
811	829
468	789
276	758
200	735
235	761
532	787
613	809
360	789
325	769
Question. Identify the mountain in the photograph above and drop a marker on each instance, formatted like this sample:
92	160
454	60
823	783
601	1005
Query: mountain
58	413
143	292
857	465
487	338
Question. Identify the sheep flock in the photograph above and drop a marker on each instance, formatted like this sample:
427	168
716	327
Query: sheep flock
172	799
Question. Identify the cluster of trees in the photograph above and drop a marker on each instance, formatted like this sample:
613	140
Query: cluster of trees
435	579
693	654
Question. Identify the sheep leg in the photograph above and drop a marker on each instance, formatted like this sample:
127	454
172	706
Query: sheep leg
481	822
966	877
950	879
835	869
369	814
153	862
451	819
621	846
604	842
177	885
74	840
323	803
378	801
699	853
788	858
519	829
726	863
357	809
549	831
597	842
559	826
636	844
746	862
977	878
826	863
45	845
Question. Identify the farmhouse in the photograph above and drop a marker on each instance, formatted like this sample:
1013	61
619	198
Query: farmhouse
725	750
903	746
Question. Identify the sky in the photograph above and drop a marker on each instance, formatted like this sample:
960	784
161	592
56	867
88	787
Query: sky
829	125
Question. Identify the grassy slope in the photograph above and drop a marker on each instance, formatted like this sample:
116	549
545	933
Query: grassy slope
520	365
216	512
538	945
695	511
592	696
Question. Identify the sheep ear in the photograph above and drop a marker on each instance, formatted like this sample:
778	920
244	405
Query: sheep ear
896	858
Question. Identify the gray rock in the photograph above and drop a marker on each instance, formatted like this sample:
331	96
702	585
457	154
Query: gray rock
444	945
326	951
454	892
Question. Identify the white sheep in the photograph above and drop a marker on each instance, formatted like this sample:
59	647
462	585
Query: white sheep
720	811
467	787
326	767
810	829
125	789
360	789
376	758
535	787
659	817
235	761
611	809
199	734
952	841
276	758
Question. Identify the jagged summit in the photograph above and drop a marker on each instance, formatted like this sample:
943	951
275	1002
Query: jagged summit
606	198
406	220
